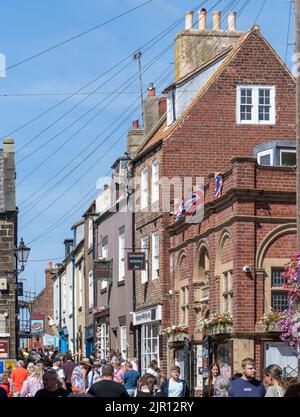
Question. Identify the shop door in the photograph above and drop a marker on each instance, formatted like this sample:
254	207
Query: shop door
89	346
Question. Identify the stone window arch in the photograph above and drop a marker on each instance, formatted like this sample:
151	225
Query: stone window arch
201	280
224	269
272	255
182	288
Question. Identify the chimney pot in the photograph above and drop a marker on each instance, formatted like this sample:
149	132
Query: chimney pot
202	19
188	20
49	265
151	90
232	21
216	20
135	124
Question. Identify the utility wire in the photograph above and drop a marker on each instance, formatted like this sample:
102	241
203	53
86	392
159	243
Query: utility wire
231	2
39	198
149	45
93	141
78	35
260	11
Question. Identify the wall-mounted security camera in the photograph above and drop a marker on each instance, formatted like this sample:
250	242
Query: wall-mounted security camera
246	269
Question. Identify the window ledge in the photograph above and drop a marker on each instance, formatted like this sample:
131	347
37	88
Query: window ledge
120	283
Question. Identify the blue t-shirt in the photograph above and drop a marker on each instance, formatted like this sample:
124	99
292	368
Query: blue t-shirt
130	379
241	388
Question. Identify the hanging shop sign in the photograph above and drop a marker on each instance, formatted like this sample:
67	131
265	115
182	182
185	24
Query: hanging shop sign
4	348
37	325
136	261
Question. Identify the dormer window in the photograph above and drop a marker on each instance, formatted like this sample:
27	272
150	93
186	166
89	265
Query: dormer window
288	157
265	157
255	104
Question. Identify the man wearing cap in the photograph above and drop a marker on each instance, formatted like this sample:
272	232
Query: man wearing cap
59	371
79	378
94	373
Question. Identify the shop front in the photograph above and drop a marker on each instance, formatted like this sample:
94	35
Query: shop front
147	323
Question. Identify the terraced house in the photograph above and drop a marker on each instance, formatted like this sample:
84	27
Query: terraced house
230	111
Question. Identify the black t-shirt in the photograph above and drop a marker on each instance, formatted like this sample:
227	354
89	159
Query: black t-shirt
58	393
3	393
107	388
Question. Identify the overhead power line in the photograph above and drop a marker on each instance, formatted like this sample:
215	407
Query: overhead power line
231	3
144	47
51	48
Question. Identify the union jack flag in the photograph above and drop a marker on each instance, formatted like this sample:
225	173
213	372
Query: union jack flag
189	207
219	185
181	211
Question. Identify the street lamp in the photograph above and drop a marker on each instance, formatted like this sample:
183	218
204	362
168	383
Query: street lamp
22	253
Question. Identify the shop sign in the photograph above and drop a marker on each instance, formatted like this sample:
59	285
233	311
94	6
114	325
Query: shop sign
4	348
37	326
136	261
146	316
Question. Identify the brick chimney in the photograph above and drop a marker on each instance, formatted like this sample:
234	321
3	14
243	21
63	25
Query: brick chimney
151	110
194	46
134	139
8	176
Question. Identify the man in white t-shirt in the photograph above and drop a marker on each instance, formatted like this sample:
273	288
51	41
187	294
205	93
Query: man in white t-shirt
59	371
174	386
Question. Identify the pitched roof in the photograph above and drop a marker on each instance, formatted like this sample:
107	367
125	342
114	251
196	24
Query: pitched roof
164	132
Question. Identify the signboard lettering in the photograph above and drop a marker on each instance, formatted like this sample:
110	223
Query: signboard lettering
4	348
136	261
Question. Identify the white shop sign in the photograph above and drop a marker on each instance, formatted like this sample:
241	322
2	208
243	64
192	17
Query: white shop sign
147	316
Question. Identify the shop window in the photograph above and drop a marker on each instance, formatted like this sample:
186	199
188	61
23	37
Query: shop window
149	345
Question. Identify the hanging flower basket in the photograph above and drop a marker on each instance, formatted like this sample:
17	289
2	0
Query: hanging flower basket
216	323
175	334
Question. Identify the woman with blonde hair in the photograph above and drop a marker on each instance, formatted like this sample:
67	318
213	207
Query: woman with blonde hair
34	381
276	384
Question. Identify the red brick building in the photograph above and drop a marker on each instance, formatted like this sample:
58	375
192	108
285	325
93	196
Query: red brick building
42	307
233	113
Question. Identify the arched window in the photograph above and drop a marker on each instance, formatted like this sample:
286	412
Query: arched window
182	288
225	272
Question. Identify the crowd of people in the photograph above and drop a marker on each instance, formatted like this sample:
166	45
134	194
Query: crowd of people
47	373
245	384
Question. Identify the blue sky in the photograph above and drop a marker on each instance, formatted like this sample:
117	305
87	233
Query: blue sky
32	26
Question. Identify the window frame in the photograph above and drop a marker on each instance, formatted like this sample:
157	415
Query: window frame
255	104
276	289
284	150
149	335
104	253
144	189
155	256
122	339
80	286
91	233
91	289
264	153
155	181
144	247
121	259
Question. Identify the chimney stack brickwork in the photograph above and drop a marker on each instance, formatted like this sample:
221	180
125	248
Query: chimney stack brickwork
194	47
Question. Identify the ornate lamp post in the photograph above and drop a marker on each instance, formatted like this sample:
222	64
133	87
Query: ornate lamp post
21	253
